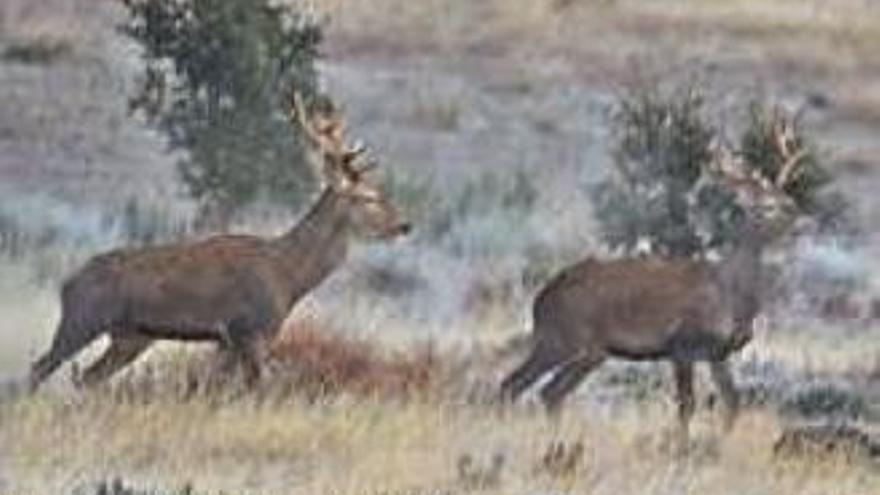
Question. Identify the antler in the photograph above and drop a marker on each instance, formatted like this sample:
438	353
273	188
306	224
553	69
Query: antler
727	167
298	116
764	198
784	136
784	139
326	130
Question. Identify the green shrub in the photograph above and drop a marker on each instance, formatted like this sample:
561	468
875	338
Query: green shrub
215	75
826	400
662	144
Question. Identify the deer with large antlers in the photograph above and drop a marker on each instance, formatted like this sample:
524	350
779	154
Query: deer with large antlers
234	290
649	308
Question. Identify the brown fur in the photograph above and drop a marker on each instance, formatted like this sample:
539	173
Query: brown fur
681	310
233	290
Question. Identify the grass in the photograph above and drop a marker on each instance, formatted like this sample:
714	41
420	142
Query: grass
811	29
437	113
343	415
348	445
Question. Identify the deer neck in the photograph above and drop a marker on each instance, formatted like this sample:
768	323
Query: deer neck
316	246
742	276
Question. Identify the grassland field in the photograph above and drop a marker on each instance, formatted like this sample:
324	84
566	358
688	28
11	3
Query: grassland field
448	92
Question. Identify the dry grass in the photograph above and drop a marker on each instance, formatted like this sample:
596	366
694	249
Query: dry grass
28	318
345	416
54	21
357	446
830	35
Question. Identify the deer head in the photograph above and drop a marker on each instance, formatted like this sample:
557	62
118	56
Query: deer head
343	169
769	210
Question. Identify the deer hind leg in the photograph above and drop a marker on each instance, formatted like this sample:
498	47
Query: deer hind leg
236	356
568	378
246	347
244	356
122	352
724	381
250	359
536	365
68	341
684	385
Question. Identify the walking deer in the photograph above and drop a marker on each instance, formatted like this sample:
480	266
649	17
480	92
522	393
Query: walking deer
649	308
234	290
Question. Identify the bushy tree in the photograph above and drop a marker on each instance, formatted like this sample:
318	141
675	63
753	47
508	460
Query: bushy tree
215	72
662	144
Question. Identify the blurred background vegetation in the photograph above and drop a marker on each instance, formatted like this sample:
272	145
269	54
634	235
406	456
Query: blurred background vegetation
215	73
661	200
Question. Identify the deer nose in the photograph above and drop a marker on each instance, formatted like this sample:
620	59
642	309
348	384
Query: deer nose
405	228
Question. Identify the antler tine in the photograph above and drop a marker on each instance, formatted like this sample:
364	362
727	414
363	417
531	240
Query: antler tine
354	151
299	115
726	165
735	176
357	160
326	131
784	136
789	168
358	153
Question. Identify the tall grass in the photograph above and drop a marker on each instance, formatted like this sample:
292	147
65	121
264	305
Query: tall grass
355	446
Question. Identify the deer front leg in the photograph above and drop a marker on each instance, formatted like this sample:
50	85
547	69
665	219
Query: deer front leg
684	385
239	354
248	341
251	361
724	381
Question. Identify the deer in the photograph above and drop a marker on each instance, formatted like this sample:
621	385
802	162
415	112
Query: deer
650	308
233	290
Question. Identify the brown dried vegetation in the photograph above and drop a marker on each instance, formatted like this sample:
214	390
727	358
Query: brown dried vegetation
316	361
